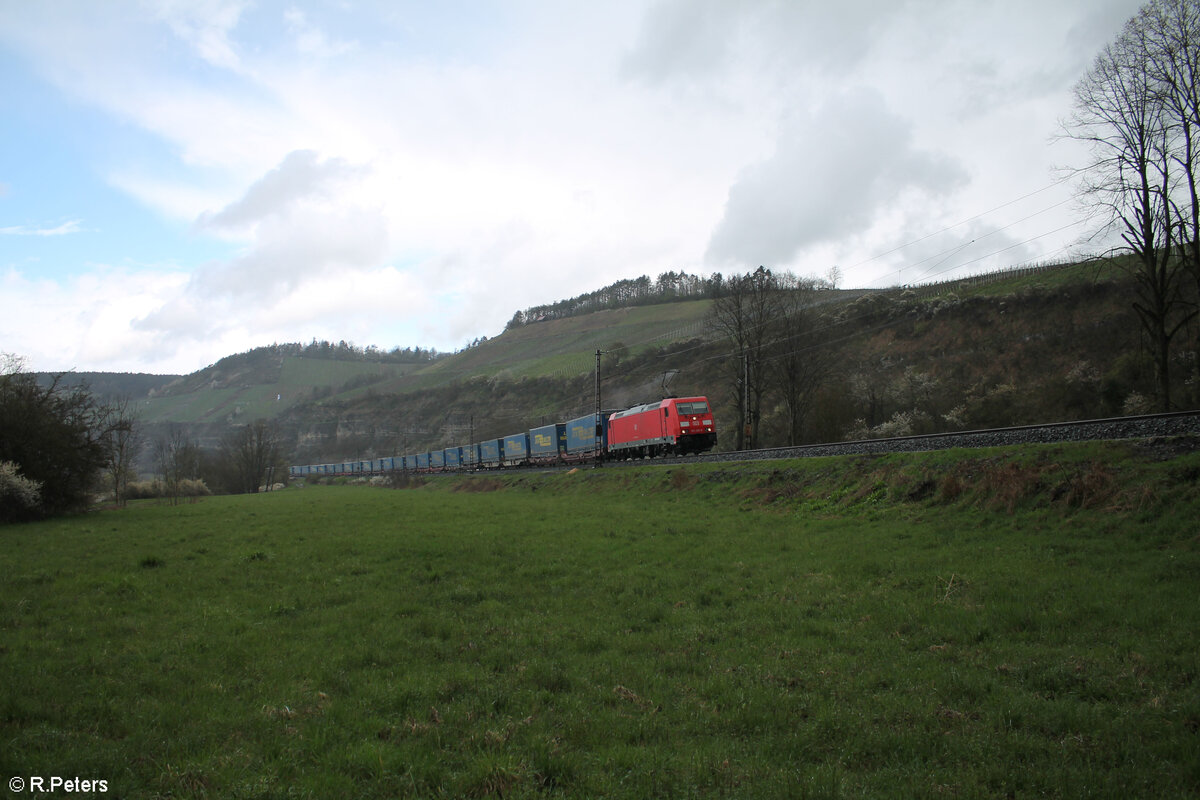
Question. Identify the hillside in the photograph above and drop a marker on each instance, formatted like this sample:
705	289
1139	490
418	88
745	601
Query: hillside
1057	342
1054	343
113	384
271	381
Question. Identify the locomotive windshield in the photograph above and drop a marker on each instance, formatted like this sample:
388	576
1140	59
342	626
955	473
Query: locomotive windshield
697	407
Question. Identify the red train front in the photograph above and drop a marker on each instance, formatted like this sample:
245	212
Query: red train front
675	426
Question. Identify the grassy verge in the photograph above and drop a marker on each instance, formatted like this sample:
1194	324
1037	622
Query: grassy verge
943	625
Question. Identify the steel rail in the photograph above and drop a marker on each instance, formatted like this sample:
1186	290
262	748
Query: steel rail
1178	423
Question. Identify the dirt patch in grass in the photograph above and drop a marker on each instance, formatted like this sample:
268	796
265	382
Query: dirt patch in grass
1093	487
1164	448
476	485
995	482
1005	484
402	480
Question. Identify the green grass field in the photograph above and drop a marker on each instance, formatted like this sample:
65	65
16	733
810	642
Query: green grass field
982	624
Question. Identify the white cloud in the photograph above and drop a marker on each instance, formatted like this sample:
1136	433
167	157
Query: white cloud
168	197
301	176
832	173
405	171
686	41
62	229
205	25
85	323
311	41
303	229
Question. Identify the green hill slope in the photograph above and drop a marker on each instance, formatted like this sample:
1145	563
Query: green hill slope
568	346
1029	345
1024	346
268	382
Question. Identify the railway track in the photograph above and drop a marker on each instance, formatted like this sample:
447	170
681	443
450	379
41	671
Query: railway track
1182	423
1185	424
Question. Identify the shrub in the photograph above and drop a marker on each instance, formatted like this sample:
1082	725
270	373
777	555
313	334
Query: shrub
193	488
20	497
144	490
902	423
156	489
1136	404
52	432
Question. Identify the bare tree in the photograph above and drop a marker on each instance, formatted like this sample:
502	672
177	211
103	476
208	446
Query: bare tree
1173	33
834	276
744	312
799	361
178	460
121	438
250	452
1139	167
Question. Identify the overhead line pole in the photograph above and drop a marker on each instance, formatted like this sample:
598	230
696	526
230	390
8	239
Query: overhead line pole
748	430
599	422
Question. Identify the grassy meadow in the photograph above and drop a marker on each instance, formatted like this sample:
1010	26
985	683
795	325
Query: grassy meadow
959	624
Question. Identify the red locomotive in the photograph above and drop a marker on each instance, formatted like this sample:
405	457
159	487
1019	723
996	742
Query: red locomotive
675	426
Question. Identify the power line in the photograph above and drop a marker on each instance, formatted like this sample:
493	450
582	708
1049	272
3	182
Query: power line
953	250
897	249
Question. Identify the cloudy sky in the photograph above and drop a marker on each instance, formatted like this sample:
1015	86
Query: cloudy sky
185	179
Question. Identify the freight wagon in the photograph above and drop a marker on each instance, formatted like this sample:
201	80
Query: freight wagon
674	426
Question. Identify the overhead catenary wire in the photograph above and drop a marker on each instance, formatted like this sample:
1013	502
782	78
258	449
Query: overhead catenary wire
950	252
951	227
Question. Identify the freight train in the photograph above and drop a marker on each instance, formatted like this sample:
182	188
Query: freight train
674	426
